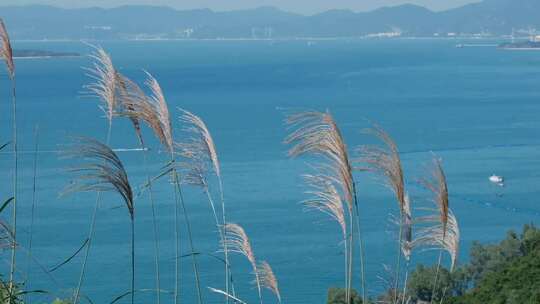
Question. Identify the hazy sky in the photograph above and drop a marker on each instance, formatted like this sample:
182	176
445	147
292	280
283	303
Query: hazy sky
300	6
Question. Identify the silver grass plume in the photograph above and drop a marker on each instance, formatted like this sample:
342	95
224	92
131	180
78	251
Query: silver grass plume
386	162
268	279
105	85
237	241
201	145
201	157
129	93
6	52
438	186
102	171
436	237
326	199
157	100
317	133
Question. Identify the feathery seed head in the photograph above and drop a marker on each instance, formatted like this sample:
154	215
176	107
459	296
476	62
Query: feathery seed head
201	142
105	85
437	185
437	236
162	112
6	52
386	162
237	241
268	279
102	170
316	133
326	199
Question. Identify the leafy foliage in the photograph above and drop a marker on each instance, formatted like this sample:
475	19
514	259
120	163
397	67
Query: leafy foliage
517	280
507	272
337	296
421	283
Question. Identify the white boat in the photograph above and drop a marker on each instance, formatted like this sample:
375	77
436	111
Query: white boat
496	179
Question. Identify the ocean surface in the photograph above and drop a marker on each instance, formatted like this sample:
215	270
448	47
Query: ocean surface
477	108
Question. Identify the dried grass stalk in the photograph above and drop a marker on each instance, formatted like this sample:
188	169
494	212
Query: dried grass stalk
201	157
317	134
226	294
101	171
6	53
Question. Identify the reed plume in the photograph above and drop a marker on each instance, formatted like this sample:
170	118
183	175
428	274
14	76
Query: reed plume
6	52
433	237
317	134
104	87
438	186
131	94
154	112
129	90
202	159
386	162
326	199
102	171
237	241
268	279
436	183
161	123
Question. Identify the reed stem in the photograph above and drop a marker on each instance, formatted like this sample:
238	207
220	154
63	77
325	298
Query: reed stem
405	283
228	271
154	221
132	259
351	249
398	259
32	213
15	188
179	195
360	244
436	276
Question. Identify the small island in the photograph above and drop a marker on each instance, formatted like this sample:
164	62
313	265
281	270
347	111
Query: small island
42	54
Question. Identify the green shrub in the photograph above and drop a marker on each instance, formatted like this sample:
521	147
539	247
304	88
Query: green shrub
337	296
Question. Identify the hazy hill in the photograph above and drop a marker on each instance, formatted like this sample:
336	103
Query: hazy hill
128	22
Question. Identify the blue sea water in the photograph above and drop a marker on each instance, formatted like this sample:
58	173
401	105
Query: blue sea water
476	108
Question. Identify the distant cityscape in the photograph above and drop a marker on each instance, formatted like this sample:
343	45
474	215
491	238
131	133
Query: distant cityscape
501	18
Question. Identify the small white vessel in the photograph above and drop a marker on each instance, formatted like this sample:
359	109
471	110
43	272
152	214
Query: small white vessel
496	179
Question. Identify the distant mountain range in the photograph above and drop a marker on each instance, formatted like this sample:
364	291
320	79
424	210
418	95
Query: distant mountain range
490	17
